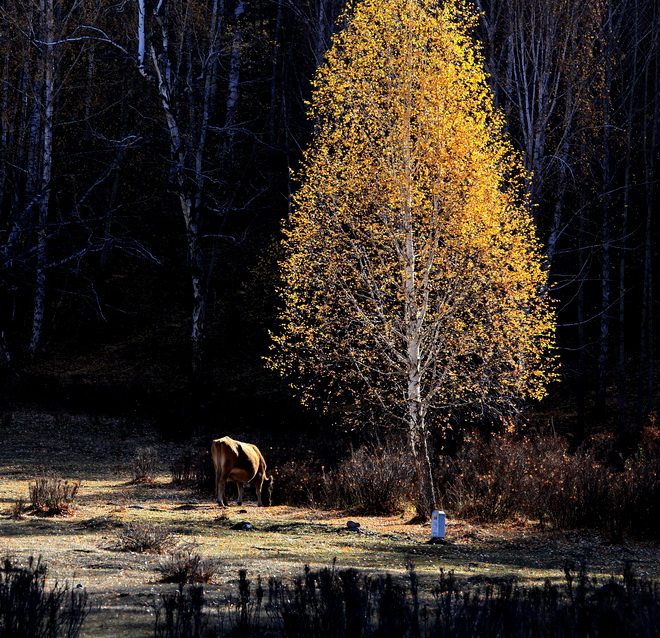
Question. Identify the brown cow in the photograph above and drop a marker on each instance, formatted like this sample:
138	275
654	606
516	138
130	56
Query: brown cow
241	463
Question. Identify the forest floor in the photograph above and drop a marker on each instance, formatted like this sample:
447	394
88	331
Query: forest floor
124	587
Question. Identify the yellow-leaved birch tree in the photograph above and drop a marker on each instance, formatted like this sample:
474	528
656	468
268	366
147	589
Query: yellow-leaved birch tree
412	279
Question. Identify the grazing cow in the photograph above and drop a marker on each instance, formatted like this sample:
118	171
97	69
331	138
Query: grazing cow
241	463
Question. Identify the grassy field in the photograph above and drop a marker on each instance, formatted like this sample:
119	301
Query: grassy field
84	547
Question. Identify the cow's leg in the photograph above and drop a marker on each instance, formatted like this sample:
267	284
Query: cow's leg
220	489
241	487
258	484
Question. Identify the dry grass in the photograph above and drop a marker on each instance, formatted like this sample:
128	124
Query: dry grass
123	585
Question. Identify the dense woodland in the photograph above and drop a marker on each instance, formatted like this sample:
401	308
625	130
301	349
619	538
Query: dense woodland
147	161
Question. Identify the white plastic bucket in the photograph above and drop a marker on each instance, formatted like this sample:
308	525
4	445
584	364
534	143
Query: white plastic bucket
438	520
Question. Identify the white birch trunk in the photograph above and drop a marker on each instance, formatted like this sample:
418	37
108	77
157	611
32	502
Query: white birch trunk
188	137
188	210
235	62
46	169
413	320
141	38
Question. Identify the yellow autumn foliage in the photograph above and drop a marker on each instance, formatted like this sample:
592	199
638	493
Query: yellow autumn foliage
412	275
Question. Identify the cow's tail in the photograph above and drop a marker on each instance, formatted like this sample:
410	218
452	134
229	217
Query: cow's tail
264	468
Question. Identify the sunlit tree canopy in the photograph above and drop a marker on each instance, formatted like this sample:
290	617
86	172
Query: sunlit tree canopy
412	278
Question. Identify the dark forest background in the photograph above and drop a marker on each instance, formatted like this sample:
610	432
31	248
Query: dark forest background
146	150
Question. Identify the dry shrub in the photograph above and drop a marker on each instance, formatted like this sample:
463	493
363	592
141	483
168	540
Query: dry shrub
372	480
333	602
194	469
635	502
186	567
484	481
566	489
145	537
53	496
540	478
18	509
579	490
244	611
183	468
29	610
297	483
650	439
144	465
180	614
505	476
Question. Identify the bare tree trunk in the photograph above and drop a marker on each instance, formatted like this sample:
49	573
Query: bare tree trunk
235	62
418	434
425	500
189	211
187	82
141	36
199	289
46	169
5	355
647	333
632	71
4	125
646	367
425	497
581	430
413	320
556	228
621	348
606	242
209	103
274	79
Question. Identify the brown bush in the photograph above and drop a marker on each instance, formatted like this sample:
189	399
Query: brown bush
485	480
185	566
18	509
194	469
28	609
565	489
372	480
539	477
297	483
53	496
636	495
145	537
144	465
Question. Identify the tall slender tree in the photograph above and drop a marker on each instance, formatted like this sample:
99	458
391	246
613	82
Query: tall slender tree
183	58
412	279
541	70
43	44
